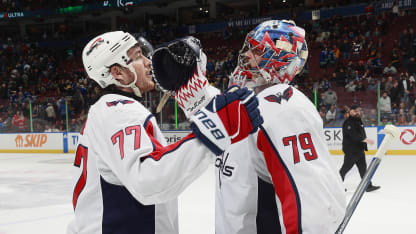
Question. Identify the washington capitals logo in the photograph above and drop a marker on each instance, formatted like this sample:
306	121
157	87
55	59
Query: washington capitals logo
287	94
94	45
114	103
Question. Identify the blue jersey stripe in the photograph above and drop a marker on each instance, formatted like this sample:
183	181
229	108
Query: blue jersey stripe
123	214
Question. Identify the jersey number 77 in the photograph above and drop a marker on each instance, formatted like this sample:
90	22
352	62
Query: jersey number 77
81	154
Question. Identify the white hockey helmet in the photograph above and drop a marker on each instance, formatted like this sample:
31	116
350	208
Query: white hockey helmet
106	50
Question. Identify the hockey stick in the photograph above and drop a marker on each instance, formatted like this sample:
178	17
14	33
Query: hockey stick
392	133
162	102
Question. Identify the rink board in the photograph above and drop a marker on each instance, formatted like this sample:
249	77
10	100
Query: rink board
41	142
405	145
66	142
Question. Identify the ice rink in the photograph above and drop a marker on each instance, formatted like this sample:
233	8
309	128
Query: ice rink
36	193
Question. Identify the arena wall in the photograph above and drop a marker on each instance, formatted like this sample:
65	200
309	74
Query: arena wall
66	142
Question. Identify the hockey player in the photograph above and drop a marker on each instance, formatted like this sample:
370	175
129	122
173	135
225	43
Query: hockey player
288	151
126	180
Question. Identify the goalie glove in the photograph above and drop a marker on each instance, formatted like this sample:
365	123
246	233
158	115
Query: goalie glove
227	119
179	68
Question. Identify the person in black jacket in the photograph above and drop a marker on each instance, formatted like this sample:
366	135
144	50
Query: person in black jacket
354	144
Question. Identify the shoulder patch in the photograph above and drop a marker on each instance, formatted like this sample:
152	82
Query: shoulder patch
114	103
287	94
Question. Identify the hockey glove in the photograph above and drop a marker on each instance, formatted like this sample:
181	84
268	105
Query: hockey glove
179	68
227	119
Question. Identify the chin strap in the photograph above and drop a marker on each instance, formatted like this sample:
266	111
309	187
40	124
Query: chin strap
132	85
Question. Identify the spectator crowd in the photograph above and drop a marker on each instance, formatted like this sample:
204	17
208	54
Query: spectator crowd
351	60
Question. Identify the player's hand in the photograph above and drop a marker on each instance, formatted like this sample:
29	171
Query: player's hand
179	68
227	119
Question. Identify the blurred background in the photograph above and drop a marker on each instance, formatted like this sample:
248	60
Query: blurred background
360	53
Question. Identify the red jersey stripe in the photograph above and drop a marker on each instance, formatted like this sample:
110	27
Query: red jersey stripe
149	126
284	186
158	149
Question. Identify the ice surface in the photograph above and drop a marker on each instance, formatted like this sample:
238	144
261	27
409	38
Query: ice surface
36	193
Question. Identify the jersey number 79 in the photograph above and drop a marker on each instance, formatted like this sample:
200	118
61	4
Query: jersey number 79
306	144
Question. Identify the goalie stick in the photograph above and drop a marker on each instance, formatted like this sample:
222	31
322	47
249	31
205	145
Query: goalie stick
392	133
162	102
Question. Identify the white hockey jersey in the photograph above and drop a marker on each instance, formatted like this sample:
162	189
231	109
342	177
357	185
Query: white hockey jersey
288	150
236	190
122	169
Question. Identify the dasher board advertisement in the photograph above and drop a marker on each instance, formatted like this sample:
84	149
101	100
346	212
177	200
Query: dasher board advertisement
41	142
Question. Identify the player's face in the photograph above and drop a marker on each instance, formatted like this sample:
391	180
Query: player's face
142	67
253	56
